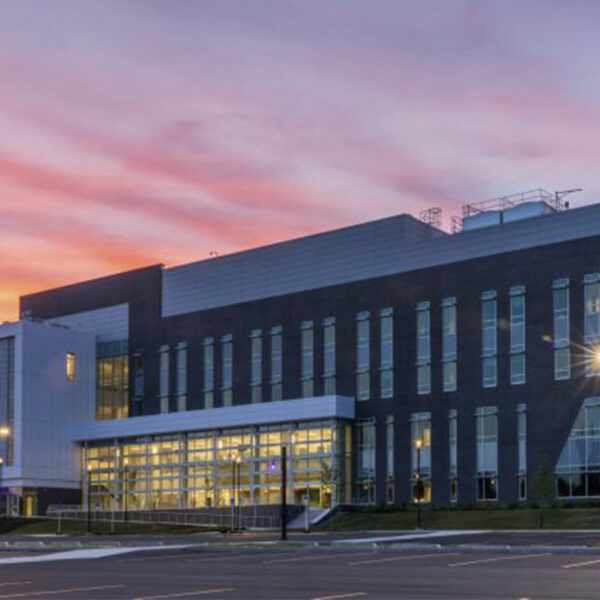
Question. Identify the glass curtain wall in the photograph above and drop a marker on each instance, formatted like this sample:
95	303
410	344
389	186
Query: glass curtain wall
194	470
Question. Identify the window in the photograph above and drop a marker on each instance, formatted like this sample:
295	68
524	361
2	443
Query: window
489	347
138	377
276	364
578	467
517	335
562	351
423	348
227	370
70	366
522	437
163	379
308	358
487	453
453	454
329	356
209	372
421	456
389	462
181	376
365	493
449	344
7	400
386	365
256	365
112	380
363	362
591	323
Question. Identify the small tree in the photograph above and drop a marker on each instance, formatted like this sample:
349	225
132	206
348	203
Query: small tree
542	488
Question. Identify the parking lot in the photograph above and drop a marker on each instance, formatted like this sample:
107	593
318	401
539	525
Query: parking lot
319	574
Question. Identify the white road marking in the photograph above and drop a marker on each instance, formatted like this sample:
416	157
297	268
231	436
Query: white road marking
497	559
581	564
410	536
354	595
8	583
382	560
187	594
83	554
63	591
236	555
303	558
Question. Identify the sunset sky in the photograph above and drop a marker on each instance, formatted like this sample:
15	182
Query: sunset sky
143	131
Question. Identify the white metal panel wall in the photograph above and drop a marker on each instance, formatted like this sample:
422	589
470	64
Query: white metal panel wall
109	324
394	245
311	262
50	410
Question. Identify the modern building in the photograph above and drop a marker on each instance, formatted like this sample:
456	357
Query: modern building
378	355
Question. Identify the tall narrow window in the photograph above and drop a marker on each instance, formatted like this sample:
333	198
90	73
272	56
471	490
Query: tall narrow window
256	365
489	348
386	366
276	364
591	324
423	348
522	435
365	480
138	377
70	366
181	376
209	372
453	453
449	344
308	358
329	356
517	335
227	370
163	380
562	351
421	456
487	452
363	359
389	463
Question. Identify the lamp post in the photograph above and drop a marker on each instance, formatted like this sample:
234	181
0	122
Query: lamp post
4	433
89	499
125	490
418	446
283	492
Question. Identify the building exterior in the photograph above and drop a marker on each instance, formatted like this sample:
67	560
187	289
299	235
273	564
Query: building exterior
378	355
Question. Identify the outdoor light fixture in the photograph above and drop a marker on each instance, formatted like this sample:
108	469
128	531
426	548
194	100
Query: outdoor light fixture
4	431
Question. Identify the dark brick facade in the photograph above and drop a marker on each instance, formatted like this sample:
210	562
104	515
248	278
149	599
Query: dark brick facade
551	406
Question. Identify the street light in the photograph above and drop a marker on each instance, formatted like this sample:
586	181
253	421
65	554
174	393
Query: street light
4	432
89	498
418	445
125	489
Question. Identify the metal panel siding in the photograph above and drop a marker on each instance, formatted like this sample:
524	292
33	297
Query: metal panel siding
109	324
318	408
394	245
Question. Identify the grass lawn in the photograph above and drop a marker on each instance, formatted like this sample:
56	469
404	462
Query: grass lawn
70	527
523	518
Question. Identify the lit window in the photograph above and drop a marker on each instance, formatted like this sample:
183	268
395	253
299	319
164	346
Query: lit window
488	338
70	366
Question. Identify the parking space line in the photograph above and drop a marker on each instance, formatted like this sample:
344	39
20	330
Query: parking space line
394	558
304	558
498	558
353	595
93	588
581	564
8	583
236	555
186	594
145	558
